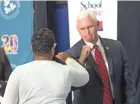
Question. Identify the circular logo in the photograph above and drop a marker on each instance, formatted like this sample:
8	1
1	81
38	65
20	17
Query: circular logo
9	9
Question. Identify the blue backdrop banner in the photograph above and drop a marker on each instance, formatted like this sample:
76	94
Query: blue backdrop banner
16	28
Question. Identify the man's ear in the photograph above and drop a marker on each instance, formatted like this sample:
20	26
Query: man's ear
97	23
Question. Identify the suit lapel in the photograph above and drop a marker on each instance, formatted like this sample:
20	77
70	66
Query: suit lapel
92	63
108	56
90	60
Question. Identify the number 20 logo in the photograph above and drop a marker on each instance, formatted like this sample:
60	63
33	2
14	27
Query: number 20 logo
10	43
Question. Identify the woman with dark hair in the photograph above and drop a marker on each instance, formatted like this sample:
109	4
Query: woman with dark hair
44	81
5	71
5	67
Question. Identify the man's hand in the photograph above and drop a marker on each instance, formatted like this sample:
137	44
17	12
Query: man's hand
62	56
84	53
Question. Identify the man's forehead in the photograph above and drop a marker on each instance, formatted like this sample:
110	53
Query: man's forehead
85	23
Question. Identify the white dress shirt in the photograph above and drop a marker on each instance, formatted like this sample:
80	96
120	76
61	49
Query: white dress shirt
44	82
101	48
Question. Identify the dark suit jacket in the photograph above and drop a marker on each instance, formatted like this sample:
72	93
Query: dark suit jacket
136	76
120	73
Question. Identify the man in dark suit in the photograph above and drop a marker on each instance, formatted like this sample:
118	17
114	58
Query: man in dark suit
110	76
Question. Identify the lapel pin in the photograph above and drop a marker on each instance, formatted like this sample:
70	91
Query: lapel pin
107	48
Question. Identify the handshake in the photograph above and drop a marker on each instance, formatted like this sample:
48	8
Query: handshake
84	54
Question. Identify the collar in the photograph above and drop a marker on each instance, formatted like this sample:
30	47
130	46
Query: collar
91	44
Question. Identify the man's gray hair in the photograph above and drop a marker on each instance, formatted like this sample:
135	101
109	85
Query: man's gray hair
84	13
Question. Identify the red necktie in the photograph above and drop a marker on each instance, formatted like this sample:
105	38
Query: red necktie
107	95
